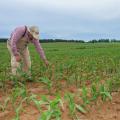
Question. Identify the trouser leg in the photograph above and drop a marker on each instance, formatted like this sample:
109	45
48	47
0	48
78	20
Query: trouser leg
14	64
26	61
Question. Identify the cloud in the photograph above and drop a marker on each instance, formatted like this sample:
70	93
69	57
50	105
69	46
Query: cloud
63	18
104	9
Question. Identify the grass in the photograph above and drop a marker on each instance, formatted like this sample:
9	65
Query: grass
76	63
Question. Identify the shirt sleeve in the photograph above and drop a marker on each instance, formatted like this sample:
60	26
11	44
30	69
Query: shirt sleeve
39	48
16	35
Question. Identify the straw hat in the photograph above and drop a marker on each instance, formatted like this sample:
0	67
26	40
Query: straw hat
34	30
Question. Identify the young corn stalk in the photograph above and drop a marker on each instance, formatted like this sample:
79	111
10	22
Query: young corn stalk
85	96
18	92
19	109
94	92
38	103
4	106
73	106
22	76
48	83
15	80
53	111
104	93
3	77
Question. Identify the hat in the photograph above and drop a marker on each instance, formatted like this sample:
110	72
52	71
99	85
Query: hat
34	30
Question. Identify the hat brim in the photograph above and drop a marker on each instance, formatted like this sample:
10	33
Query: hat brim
35	36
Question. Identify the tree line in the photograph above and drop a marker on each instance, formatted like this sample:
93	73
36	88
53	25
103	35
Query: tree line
80	41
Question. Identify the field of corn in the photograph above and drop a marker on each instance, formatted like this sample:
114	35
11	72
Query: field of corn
79	76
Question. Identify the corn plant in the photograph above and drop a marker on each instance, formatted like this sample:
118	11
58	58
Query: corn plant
18	109
4	106
18	92
2	80
15	80
48	83
71	103
104	93
73	106
53	111
38	103
94	92
46	115
85	96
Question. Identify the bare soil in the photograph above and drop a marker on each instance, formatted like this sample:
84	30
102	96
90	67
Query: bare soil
109	110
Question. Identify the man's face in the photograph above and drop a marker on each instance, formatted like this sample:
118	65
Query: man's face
30	36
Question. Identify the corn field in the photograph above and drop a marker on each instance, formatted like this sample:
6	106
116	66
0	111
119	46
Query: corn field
79	75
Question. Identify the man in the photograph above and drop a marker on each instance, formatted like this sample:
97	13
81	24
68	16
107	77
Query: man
18	48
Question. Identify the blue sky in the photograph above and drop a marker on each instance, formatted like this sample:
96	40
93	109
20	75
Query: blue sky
65	19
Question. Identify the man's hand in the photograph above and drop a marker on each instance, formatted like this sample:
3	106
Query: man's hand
46	62
18	58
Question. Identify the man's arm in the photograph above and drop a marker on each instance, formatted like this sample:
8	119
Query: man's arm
39	49
16	35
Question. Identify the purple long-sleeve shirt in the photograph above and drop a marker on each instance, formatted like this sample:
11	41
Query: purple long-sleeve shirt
17	35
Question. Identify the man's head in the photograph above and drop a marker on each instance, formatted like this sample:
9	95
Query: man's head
34	31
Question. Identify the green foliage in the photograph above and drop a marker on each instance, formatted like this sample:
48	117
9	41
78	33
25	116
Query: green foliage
76	63
4	106
46	81
53	109
85	95
104	93
94	92
73	106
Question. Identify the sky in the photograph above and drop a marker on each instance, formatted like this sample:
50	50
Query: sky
63	19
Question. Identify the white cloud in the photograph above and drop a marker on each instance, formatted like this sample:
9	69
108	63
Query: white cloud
62	16
92	9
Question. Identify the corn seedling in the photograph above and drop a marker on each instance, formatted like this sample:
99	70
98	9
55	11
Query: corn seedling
73	106
94	92
4	106
53	111
18	92
104	93
85	96
38	103
48	83
18	109
46	115
71	103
